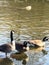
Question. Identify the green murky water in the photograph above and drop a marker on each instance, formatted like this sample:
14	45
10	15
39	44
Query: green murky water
33	24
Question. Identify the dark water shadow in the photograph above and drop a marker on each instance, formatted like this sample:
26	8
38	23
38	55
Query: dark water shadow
6	61
44	52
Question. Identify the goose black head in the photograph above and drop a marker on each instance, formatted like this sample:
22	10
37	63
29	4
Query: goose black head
45	39
25	43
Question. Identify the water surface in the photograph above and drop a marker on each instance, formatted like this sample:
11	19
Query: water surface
33	24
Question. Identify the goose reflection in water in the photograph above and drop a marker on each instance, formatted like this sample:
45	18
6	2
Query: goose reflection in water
38	49
25	61
20	57
6	61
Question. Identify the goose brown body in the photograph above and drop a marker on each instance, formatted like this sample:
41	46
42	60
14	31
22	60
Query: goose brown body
7	48
37	42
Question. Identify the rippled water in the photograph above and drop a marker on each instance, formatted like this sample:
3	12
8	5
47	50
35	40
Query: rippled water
33	24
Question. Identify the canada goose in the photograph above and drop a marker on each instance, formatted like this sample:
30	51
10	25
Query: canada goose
22	47
38	43
7	48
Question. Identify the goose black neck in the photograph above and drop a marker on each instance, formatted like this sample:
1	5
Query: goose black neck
11	36
45	39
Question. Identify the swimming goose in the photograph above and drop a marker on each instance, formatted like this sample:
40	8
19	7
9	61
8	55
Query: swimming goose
22	47
7	48
38	43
